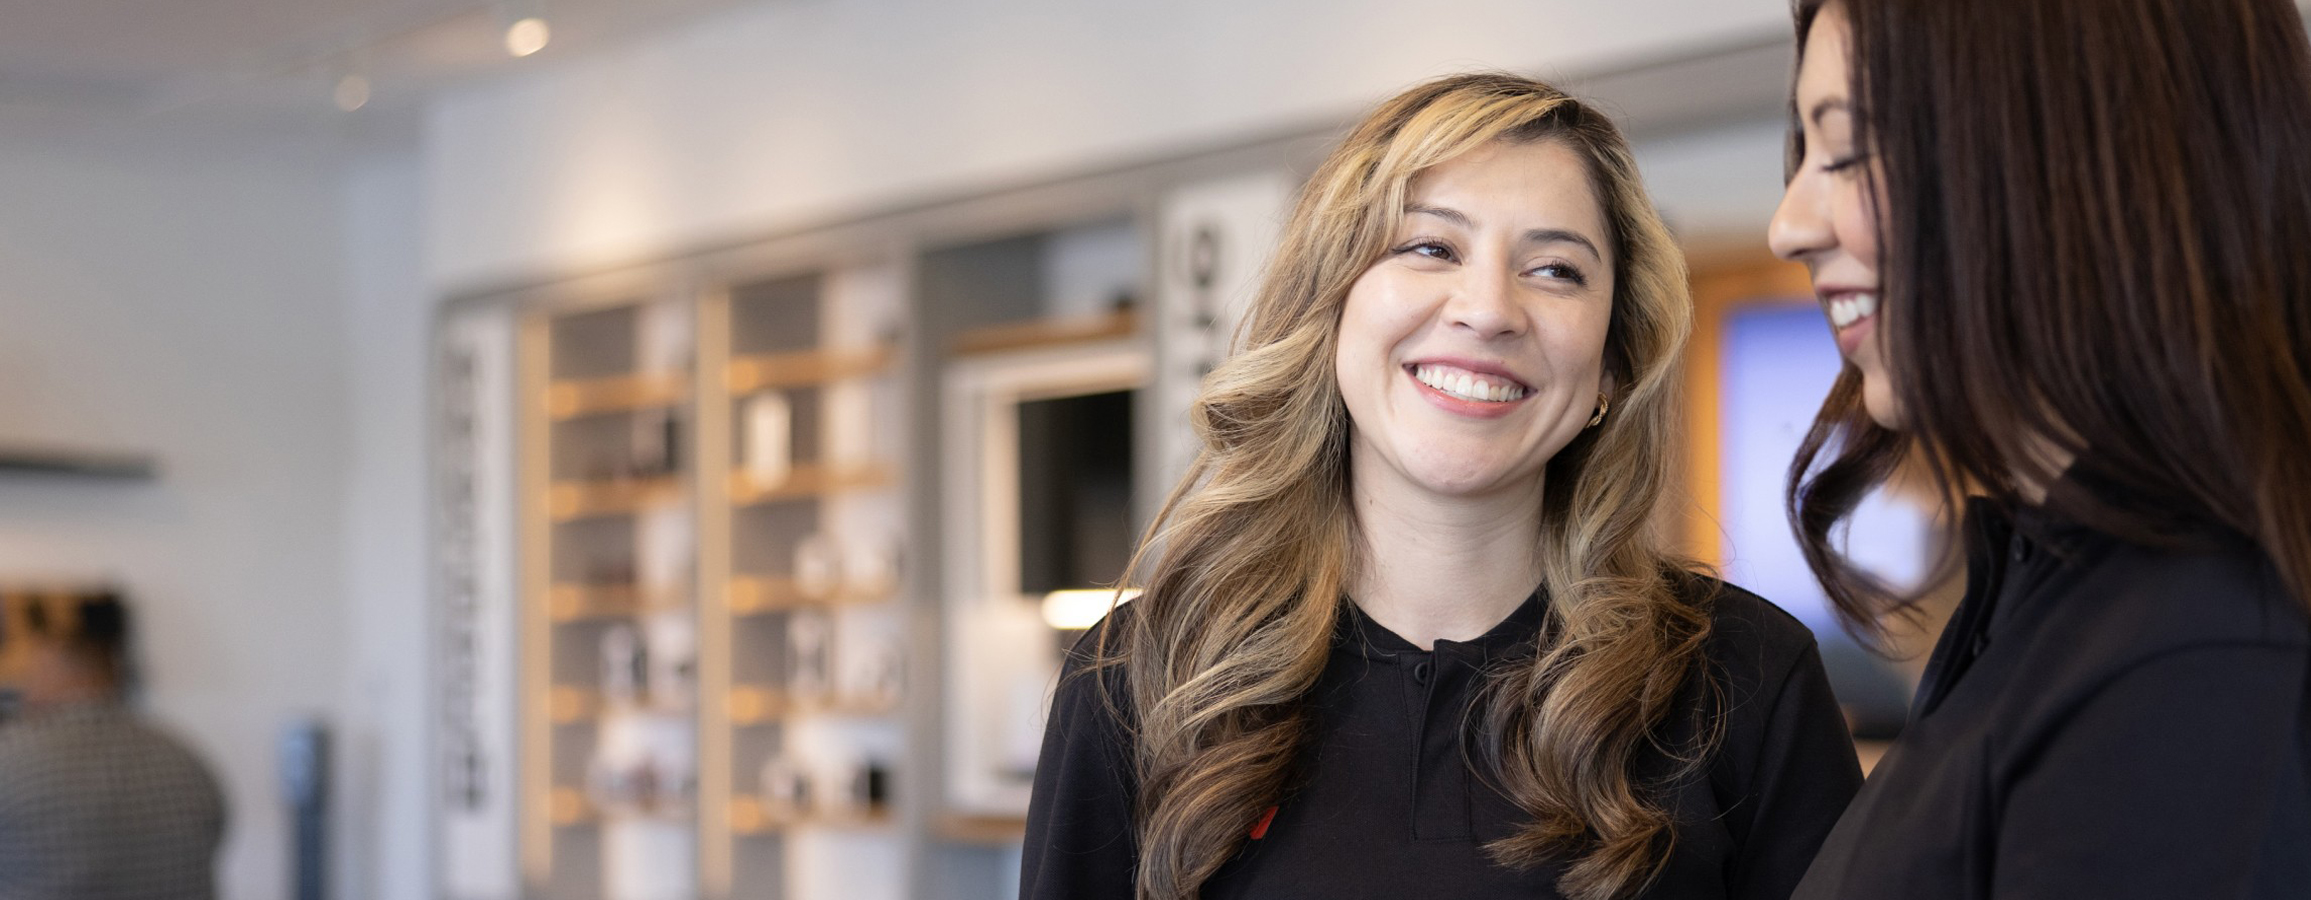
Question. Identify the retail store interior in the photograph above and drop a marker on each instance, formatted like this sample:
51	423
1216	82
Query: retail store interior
612	450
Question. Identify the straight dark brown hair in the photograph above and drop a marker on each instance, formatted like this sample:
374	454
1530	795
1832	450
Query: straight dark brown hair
2095	235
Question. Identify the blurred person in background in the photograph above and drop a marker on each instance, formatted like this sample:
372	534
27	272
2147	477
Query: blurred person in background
2066	248
1407	629
95	804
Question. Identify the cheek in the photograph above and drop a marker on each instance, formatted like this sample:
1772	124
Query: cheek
1856	221
1376	317
1577	344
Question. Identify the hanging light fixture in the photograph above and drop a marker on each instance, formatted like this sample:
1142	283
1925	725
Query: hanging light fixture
352	92
527	35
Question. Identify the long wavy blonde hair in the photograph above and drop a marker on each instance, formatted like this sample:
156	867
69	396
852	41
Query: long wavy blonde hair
1245	565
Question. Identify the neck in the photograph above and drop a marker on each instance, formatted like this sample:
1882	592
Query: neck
60	681
2050	458
1444	568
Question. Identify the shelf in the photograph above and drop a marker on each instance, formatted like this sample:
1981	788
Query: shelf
589	602
570	501
569	808
810	480
754	373
568	705
980	831
578	706
1045	333
748	817
755	596
762	706
624	393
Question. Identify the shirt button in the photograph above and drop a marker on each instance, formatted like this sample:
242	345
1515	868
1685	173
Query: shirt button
1420	672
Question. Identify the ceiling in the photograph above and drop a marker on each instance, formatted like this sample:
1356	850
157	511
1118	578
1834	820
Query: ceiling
271	60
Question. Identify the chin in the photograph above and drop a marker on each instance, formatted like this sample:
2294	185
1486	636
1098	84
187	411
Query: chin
1878	400
1465	477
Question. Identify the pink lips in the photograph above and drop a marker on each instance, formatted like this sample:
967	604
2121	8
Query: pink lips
1851	337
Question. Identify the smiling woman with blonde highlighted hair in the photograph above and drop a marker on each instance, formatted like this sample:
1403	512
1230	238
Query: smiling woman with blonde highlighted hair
1407	626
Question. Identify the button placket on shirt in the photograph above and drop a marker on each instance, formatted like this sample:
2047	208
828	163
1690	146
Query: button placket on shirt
1440	801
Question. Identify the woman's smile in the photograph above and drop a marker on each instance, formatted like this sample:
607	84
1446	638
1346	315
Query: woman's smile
1475	390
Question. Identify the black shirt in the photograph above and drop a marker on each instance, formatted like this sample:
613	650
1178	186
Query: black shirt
1389	803
2099	720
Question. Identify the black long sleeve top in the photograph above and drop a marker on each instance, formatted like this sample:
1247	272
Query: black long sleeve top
1388	802
2098	720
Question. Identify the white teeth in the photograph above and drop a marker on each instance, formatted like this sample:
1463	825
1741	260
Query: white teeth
1852	308
1467	385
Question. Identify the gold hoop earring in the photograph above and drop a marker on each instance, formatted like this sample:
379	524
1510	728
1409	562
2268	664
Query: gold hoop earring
1604	405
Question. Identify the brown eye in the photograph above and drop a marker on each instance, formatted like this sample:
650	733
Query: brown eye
1563	272
1430	249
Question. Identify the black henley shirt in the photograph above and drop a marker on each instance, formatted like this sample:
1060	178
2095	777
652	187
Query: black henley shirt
1389	803
2098	720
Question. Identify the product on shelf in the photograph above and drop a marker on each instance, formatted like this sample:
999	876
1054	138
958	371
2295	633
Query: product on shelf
872	567
879	673
870	787
625	665
673	660
818	567
810	651
769	447
785	788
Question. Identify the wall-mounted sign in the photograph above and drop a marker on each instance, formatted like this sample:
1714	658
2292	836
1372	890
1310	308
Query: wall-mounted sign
474	608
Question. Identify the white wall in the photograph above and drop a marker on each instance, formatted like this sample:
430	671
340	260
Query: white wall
787	113
180	297
384	728
1717	186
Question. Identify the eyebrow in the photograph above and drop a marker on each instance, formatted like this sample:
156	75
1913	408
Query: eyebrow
1532	236
1825	107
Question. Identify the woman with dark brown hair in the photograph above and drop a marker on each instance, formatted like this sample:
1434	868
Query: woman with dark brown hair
2066	247
1409	629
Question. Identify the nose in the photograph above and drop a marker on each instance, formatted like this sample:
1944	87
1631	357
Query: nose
1801	224
1483	301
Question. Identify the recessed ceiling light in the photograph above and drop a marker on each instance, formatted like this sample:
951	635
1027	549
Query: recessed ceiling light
352	93
527	36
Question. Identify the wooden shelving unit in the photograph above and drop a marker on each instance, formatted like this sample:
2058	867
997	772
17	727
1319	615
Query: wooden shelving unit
715	517
1044	333
763	706
610	608
981	831
749	817
572	501
808	367
789	641
574	603
753	596
577	398
810	481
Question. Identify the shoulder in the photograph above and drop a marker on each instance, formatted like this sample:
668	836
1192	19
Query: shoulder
114	746
2169	599
1753	645
165	748
1764	705
1092	688
2118	607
